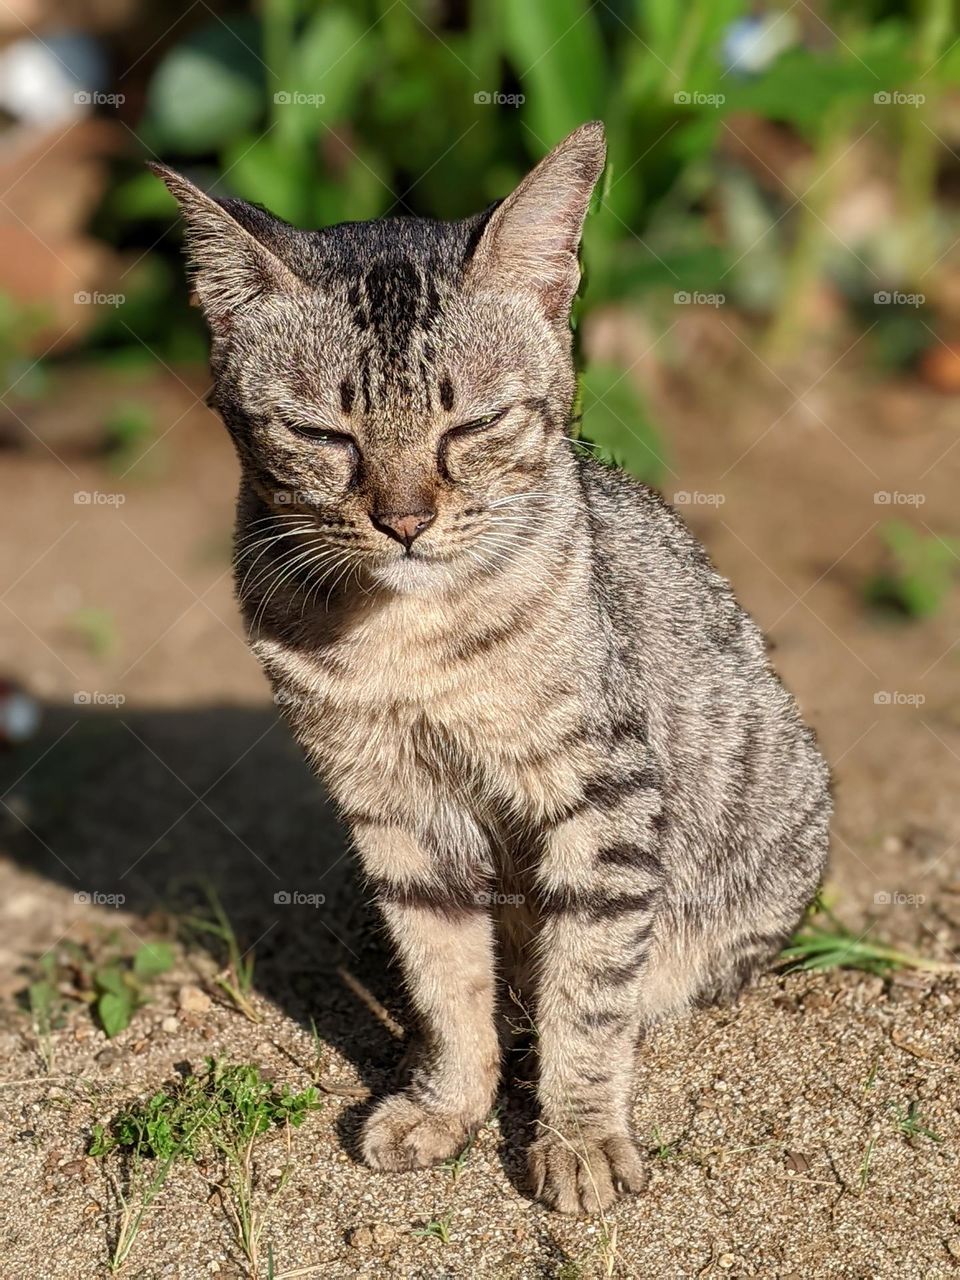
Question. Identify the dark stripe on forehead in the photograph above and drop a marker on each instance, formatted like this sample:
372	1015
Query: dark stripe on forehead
360	317
393	293
347	394
446	392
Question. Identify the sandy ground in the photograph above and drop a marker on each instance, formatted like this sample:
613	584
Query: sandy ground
773	1128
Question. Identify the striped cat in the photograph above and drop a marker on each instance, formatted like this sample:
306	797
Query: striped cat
565	762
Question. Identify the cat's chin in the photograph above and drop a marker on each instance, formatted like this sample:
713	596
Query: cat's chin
410	575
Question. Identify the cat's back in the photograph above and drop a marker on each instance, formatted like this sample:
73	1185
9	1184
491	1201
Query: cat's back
692	655
653	577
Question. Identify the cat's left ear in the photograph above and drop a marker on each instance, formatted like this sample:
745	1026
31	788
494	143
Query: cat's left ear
532	239
236	252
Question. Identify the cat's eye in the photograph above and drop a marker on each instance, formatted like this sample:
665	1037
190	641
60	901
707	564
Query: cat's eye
477	424
319	435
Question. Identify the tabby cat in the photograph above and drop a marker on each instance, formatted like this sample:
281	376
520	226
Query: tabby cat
553	733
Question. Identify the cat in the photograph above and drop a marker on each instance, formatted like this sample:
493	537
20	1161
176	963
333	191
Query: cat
566	765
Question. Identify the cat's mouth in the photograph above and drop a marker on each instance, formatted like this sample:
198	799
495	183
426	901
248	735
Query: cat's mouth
413	570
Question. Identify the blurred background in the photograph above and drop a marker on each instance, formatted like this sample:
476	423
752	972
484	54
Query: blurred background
769	332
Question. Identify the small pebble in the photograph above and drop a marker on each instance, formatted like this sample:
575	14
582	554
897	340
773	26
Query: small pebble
170	1025
193	1000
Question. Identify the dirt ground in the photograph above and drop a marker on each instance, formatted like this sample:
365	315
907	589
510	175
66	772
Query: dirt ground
774	1128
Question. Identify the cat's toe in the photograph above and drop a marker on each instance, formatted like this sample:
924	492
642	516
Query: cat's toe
585	1176
401	1134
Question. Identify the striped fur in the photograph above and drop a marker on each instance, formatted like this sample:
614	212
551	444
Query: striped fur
566	763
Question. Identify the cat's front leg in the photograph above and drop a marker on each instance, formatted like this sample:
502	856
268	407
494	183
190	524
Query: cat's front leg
600	886
441	928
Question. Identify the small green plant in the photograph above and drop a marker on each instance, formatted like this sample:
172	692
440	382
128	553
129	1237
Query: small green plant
919	574
436	1229
128	430
457	1164
220	1114
96	629
235	980
47	1008
910	1123
121	986
99	974
570	1270
831	945
663	1150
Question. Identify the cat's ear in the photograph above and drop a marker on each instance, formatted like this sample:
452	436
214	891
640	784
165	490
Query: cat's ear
231	250
531	240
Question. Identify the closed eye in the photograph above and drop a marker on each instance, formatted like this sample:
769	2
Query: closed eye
319	435
478	424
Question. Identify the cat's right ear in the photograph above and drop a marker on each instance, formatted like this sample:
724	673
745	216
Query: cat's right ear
229	265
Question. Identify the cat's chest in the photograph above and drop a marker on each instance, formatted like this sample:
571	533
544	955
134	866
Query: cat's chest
407	680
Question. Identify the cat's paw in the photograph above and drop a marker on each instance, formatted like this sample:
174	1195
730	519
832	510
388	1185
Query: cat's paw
584	1175
401	1134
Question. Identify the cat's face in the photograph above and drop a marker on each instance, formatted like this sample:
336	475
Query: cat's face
399	389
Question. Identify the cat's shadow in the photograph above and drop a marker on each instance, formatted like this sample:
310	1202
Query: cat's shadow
155	804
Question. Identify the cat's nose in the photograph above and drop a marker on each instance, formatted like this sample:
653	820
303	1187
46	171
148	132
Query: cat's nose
404	526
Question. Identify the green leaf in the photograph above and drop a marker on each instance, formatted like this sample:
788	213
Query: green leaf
111	979
555	49
102	1142
152	959
207	89
41	996
615	419
332	54
140	196
115	1012
262	171
802	86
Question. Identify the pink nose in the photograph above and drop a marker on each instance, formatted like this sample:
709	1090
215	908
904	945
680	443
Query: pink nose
405	527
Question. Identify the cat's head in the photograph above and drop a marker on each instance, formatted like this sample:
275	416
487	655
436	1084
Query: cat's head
389	383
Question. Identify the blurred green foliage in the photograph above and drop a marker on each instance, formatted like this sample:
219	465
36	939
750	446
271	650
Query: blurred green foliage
920	572
349	109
